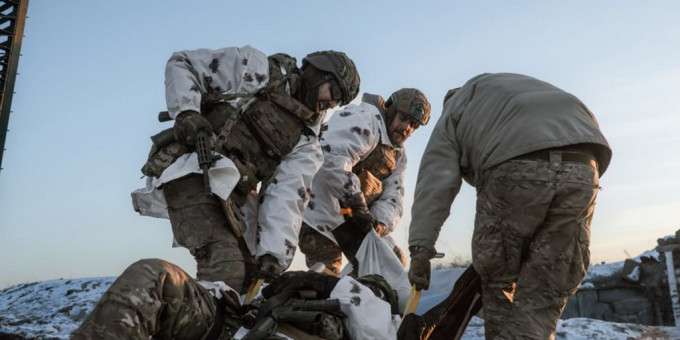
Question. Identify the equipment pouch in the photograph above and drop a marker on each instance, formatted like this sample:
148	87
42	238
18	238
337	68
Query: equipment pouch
293	106
371	186
277	131
160	158
380	162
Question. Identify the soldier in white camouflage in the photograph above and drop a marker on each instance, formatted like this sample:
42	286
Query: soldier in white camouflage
535	154
363	171
262	115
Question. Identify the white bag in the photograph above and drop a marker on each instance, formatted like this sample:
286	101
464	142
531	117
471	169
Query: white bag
375	256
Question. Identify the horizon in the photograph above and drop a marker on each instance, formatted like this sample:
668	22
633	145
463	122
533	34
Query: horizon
90	85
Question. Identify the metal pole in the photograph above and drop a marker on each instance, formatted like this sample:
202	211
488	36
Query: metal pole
13	12
673	286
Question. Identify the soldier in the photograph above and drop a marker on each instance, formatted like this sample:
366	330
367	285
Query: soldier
156	299
535	154
363	170
262	115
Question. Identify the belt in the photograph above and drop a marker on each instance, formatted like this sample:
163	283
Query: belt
567	156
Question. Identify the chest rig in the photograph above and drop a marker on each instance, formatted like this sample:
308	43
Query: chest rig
255	135
371	171
258	137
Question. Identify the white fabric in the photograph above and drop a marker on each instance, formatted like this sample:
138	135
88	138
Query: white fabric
218	289
353	133
231	70
368	317
375	256
149	201
189	74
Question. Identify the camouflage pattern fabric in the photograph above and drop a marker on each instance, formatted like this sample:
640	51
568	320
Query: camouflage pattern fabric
152	298
318	248
530	243
200	225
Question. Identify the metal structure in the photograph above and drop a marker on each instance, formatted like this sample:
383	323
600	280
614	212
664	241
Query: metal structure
12	20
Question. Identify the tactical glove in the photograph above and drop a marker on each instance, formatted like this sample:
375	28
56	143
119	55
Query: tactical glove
268	267
187	125
361	216
321	283
419	272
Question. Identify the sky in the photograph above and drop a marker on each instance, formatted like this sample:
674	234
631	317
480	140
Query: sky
90	86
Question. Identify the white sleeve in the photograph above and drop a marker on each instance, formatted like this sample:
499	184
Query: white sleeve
189	74
390	206
283	201
368	317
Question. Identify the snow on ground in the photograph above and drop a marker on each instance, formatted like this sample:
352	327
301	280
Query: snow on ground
49	309
53	309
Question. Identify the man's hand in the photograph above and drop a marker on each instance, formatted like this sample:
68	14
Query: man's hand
361	216
419	271
268	267
297	280
187	125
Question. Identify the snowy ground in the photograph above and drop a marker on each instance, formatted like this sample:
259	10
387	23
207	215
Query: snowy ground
53	309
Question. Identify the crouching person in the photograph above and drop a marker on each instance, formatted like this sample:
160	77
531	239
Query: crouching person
155	298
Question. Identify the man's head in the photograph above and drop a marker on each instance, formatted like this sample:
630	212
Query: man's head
329	78
406	110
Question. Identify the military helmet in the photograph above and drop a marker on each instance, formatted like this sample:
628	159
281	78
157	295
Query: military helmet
342	68
410	102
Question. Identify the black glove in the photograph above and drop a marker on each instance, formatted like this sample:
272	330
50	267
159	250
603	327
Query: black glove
187	125
268	267
298	280
419	271
361	217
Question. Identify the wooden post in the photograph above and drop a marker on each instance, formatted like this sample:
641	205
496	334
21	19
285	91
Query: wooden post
672	279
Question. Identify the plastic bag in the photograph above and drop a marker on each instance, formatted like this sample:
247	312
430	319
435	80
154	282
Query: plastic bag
375	256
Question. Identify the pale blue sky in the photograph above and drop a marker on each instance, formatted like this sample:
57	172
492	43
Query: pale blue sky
91	84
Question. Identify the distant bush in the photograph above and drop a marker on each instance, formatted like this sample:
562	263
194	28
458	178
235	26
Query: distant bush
452	261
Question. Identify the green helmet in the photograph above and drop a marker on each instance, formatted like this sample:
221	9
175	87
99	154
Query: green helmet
345	74
410	102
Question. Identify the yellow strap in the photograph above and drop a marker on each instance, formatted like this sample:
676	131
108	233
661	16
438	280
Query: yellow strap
250	295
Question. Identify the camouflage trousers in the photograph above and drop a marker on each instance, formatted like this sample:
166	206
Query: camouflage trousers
152	298
531	243
200	225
